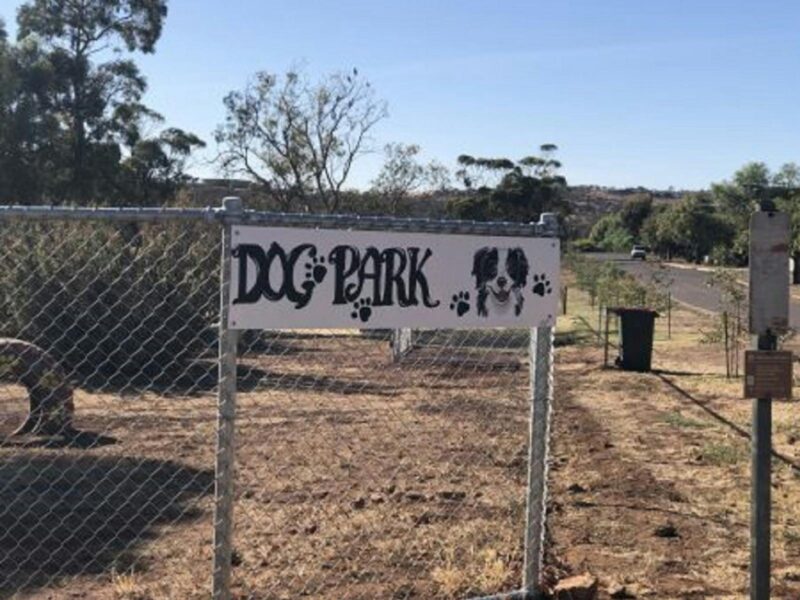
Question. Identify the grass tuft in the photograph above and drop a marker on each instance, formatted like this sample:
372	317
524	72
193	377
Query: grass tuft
126	586
676	419
722	455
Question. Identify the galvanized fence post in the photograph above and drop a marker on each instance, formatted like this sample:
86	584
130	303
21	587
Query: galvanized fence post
226	390
541	382
761	493
402	343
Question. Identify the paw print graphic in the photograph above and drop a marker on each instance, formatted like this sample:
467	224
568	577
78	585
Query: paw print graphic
316	269
460	303
362	309
541	285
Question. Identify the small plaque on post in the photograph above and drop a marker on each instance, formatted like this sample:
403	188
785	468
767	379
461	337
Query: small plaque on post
768	374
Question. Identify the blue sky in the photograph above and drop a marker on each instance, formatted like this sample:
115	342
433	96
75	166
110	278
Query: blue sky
636	92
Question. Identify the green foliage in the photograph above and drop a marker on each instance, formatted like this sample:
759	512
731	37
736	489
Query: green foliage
657	289
29	131
690	228
504	190
136	23
583	245
606	283
609	234
787	179
722	455
107	303
402	175
617	288
676	419
298	139
72	129
634	213
154	170
786	192
617	232
735	200
728	327
586	272
711	224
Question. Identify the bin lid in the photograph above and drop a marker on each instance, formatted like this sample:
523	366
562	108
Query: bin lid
620	310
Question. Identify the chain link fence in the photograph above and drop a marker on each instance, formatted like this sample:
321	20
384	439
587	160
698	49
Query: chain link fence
147	451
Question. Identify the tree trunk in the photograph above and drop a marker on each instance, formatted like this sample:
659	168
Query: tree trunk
796	270
79	180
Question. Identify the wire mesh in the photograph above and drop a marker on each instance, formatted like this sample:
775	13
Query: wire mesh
113	322
364	477
360	473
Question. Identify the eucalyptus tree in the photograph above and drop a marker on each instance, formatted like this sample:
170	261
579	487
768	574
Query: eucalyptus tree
298	139
95	91
500	188
402	174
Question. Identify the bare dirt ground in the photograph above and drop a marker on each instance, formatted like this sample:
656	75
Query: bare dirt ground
650	476
356	478
360	479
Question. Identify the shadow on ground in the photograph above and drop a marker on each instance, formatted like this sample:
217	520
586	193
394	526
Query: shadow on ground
67	516
202	377
82	440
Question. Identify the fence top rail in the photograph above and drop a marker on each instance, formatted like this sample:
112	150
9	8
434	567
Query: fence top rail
546	227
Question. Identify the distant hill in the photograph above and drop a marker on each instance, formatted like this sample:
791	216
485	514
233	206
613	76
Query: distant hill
588	202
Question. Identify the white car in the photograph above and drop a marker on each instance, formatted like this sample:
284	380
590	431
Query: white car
639	252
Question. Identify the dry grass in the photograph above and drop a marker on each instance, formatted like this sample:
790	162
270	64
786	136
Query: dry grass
476	567
126	586
356	479
668	447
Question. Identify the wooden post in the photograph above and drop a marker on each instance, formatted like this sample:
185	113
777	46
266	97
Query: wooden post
737	332
725	333
605	346
669	315
599	319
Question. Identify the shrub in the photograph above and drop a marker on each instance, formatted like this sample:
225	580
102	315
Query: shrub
610	234
116	301
583	245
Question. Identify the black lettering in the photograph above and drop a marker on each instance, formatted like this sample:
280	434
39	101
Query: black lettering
295	296
394	260
270	293
370	270
345	261
243	252
417	277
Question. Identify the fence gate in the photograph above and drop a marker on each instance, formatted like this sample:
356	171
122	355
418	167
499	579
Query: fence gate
166	412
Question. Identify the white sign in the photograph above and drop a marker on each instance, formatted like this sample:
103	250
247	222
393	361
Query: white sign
286	278
769	273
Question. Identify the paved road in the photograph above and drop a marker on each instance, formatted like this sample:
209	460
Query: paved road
689	284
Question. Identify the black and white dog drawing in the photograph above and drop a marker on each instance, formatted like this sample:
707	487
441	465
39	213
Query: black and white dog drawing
500	276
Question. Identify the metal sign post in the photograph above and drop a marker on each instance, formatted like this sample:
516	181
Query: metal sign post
332	271
769	317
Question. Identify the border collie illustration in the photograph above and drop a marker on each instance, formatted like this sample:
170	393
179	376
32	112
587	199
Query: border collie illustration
500	276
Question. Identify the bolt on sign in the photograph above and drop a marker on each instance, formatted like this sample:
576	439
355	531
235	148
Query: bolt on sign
768	374
284	278
769	273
